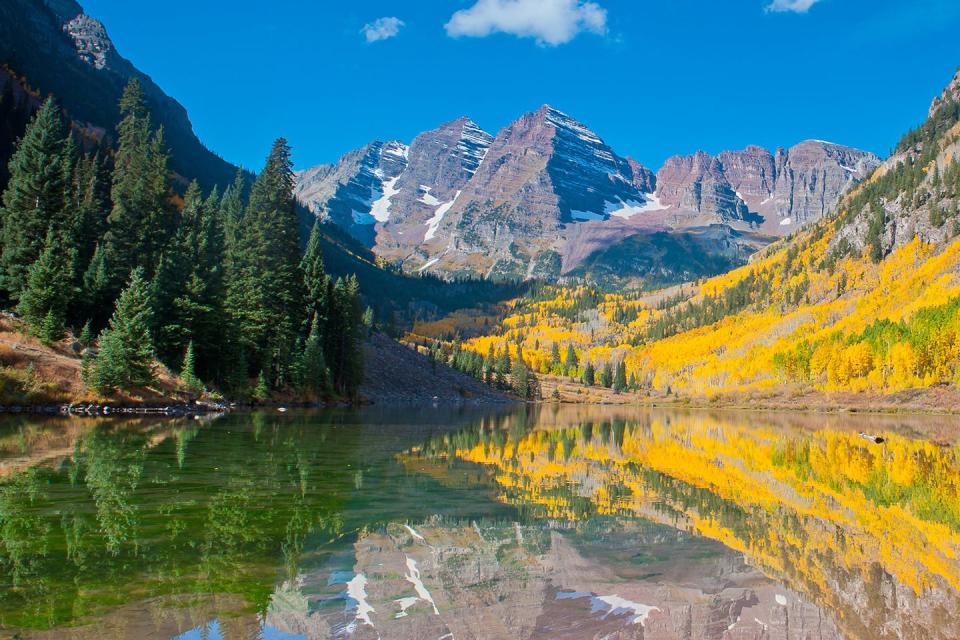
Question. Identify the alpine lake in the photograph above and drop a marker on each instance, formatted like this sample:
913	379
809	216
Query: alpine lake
547	522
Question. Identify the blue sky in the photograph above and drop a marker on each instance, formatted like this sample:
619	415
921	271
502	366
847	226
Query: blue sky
652	77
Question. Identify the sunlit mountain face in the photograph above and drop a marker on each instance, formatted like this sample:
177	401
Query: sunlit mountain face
555	522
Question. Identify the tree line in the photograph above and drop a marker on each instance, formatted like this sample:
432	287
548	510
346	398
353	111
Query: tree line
216	286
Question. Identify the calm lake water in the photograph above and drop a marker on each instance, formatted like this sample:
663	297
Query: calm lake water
551	523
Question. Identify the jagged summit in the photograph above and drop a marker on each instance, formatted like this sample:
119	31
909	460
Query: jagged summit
527	201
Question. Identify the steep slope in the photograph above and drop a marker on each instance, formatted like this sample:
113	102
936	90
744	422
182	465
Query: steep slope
866	300
393	195
544	171
62	51
350	192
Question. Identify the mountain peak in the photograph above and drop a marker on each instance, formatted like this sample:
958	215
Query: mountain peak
950	92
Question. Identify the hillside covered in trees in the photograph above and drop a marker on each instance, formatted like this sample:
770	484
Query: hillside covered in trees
215	286
867	300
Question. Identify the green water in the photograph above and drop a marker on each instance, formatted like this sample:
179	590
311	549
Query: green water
430	523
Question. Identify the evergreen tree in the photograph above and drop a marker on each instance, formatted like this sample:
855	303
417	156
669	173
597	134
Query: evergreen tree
43	303
188	370
315	278
96	292
368	320
231	211
188	288
520	376
35	197
620	378
141	220
589	374
126	351
571	363
606	376
87	212
314	365
345	343
261	392
86	336
266	293
555	356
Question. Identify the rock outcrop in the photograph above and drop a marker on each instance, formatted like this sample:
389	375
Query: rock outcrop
777	192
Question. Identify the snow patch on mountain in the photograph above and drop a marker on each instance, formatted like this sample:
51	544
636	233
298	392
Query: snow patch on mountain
427	198
630	208
380	209
434	223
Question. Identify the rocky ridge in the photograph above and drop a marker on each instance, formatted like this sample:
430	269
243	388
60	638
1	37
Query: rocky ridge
527	202
778	192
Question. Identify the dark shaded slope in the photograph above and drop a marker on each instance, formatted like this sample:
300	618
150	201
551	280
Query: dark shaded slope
34	44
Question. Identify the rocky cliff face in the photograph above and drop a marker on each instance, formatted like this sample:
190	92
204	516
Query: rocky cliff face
350	192
777	192
547	192
392	195
950	93
62	51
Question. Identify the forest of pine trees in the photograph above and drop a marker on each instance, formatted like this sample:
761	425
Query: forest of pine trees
215	286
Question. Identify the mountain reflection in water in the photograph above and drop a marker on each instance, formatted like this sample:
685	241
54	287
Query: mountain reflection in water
550	522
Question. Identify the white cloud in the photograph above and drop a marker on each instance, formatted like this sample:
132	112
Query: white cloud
796	6
382	28
550	22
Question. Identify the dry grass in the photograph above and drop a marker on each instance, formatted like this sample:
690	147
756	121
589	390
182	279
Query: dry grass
33	373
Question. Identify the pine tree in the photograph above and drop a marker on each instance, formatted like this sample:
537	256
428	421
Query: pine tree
261	392
43	303
141	220
125	359
520	376
87	212
96	291
571	363
554	356
35	197
314	365
231	211
345	348
188	371
606	376
620	378
86	336
266	293
589	374
368	320
315	278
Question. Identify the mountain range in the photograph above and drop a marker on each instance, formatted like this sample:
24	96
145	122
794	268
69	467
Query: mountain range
547	197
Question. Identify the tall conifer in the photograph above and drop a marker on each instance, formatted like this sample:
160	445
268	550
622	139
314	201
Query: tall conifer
35	196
